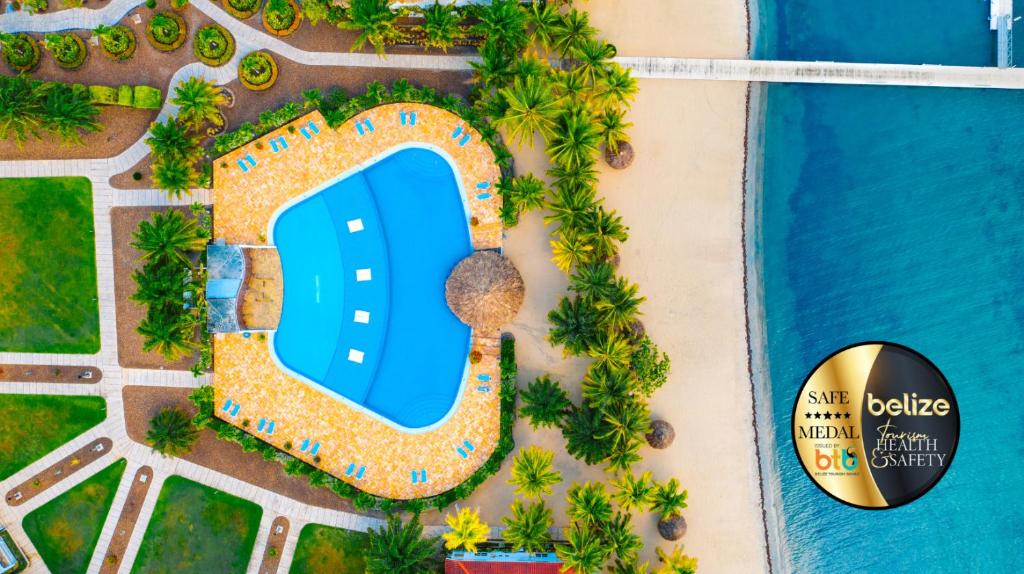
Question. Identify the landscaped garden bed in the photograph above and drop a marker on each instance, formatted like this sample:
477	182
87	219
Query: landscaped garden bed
213	45
195	528
34	425
118	42
21	52
326	549
241	9
49	260
51	374
126	522
67	49
166	31
65	530
58	471
282	17
257	71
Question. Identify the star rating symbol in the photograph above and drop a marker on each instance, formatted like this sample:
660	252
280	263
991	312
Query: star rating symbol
828	415
807	415
817	415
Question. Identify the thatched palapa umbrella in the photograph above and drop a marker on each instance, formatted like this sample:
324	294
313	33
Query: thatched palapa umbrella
485	290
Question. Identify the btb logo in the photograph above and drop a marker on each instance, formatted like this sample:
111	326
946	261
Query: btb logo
846	458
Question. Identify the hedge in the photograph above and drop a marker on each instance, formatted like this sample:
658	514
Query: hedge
125	96
222	54
148	98
178	40
22	53
204	418
140	97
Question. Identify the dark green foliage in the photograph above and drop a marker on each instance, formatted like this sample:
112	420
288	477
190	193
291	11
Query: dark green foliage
29	108
650	365
171	432
545	403
398	548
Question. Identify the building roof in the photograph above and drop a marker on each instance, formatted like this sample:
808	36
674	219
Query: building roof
503	563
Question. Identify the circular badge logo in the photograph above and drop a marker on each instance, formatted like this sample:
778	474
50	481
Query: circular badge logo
875	425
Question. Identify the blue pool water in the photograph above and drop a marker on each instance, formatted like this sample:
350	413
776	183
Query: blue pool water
896	214
402	222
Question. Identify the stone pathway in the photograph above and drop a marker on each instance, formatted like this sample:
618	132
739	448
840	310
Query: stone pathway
125	511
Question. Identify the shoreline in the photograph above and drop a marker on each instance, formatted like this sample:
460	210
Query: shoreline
753	295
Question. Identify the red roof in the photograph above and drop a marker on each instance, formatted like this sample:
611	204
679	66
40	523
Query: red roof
479	567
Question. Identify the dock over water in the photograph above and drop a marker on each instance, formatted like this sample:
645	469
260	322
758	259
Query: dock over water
1000	20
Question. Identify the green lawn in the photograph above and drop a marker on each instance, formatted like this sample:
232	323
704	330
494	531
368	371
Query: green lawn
48	256
327	550
198	529
33	425
65	530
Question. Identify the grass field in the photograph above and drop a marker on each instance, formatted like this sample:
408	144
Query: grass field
65	530
327	550
33	425
48	285
198	529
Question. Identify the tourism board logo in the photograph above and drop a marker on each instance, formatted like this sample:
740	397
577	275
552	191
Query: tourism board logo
876	425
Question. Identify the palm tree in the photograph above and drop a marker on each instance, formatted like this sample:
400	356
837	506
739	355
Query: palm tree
632	491
545	402
532	472
172	140
628	421
592	281
604	386
21	107
668	501
630	567
605	231
592	57
527	528
527	192
442	25
572	85
171	432
503	23
619	534
572	32
166	334
675	563
174	176
616	87
581	430
400	549
160	284
68	114
376	23
621	306
494	68
198	102
467	530
589	504
545	19
576	177
576	138
613	126
532	107
168	236
584	551
611	349
571	249
574	324
570	208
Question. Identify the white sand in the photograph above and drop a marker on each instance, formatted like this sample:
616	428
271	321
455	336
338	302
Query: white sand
682	201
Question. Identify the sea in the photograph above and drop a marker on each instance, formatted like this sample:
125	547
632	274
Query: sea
894	214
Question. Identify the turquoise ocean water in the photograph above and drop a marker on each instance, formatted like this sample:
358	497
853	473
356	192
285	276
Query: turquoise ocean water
898	214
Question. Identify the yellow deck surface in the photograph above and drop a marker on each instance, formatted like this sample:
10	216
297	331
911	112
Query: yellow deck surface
245	371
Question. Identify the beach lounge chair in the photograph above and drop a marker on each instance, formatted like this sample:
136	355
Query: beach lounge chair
484	389
283	142
234	411
227	405
245	168
483	196
457	132
313	128
273	145
305	445
359	129
316	449
351	468
469	446
263	423
423	475
465	140
461	452
401	115
251	160
270	429
412	119
368	124
483	185
483	377
362	471
305	133
415	477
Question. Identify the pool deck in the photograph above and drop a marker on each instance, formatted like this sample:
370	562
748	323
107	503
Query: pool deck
245	372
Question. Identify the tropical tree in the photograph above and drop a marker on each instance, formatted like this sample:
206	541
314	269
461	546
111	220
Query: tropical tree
168	236
668	500
544	19
592	57
527	528
467	530
166	334
630	567
577	177
634	492
172	140
532	472
571	249
572	33
398	548
604	386
621	306
610	349
545	402
493	69
572	85
316	11
68	114
503	24
613	126
442	26
171	432
21	107
571	208
616	87
628	421
618	532
526	192
575	139
584	551
589	504
650	365
593	281
174	176
533	107
675	563
160	284
199	102
376	23
582	430
574	324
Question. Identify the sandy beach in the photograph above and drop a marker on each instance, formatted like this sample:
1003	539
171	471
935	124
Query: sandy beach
683	201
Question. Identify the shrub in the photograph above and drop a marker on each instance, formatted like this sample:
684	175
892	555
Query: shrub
166	31
241	9
213	45
125	96
147	98
68	50
118	42
281	17
137	176
257	71
104	95
21	52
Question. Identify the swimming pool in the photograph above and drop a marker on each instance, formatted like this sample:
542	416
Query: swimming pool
364	261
